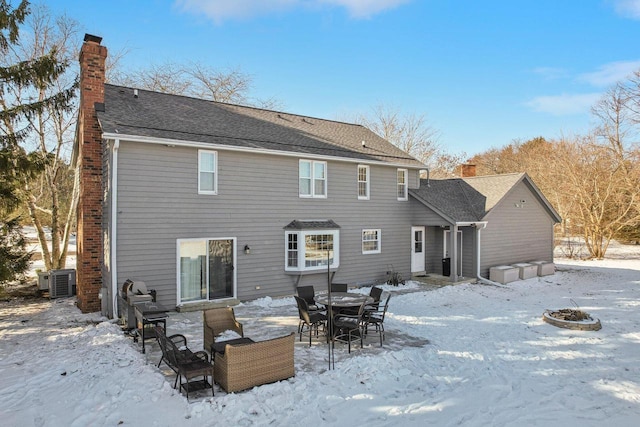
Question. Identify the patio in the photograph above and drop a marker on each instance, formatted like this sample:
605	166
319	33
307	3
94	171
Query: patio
270	318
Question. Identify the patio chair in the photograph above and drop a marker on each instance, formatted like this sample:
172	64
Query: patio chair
217	321
185	363
376	294
308	294
349	327
376	318
339	287
167	352
312	320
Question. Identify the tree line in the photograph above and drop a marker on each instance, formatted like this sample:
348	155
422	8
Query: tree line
592	180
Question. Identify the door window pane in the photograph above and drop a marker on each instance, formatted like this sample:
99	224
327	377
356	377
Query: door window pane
221	269
193	258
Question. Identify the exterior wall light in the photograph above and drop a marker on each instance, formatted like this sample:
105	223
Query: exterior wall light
247	249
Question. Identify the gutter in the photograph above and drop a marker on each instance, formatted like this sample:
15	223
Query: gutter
114	229
223	147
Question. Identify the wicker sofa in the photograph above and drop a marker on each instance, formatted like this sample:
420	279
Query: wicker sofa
247	365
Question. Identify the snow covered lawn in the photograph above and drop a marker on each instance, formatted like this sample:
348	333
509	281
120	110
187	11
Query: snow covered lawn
473	355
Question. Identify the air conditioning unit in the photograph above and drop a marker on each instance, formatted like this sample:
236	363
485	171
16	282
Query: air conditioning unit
62	283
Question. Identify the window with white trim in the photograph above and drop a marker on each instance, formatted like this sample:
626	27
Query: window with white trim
363	182
308	250
312	178
371	241
207	172
402	185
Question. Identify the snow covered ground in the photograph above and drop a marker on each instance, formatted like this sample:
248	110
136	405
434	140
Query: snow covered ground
472	355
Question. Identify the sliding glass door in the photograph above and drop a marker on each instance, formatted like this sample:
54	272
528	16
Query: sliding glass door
206	269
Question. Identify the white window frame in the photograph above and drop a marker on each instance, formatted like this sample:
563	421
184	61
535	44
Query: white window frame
365	182
214	171
404	185
301	250
206	241
313	165
366	233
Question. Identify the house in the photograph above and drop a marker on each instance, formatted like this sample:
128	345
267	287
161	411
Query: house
497	220
205	201
215	203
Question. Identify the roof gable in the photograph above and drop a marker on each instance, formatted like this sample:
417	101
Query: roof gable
179	118
472	199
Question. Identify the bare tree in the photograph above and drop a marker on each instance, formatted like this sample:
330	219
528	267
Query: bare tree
410	132
195	79
603	204
48	133
446	165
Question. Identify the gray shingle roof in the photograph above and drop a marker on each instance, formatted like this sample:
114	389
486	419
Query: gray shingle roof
453	198
494	187
312	225
471	199
173	117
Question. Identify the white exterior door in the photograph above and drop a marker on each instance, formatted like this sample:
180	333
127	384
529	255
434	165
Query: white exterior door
417	250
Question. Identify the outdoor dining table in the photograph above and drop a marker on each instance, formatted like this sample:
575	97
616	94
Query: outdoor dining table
341	301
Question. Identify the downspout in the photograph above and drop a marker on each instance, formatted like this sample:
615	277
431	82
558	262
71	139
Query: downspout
479	227
114	229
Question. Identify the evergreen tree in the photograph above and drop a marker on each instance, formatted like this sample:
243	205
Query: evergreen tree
16	164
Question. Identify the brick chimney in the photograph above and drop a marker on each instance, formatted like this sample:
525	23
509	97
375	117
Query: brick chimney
467	170
90	153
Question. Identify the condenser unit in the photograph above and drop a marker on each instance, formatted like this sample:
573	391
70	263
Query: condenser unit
62	283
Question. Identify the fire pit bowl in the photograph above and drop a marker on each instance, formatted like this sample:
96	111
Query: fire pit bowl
571	319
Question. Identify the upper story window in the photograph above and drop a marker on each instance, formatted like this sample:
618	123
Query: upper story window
313	179
207	172
402	184
371	241
363	182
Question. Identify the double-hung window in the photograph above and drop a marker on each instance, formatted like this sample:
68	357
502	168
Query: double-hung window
207	172
363	182
371	241
308	250
312	178
402	185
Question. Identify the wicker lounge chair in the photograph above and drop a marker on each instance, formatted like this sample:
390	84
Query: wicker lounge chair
218	320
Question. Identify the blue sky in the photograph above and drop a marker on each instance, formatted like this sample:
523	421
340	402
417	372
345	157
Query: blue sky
484	73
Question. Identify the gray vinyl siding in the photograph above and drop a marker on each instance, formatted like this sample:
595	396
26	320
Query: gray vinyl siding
468	251
158	203
516	234
107	173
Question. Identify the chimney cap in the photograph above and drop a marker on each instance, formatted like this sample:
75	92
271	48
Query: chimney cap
91	38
